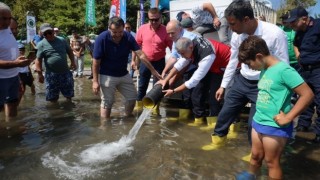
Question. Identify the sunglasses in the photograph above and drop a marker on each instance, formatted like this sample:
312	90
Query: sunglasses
47	33
154	20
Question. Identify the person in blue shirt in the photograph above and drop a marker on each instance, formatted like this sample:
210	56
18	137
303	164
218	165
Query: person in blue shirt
307	41
110	73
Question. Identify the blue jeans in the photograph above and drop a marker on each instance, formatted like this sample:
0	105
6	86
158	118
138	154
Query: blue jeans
241	92
312	78
145	76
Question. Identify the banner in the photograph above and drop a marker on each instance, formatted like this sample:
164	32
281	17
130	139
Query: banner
142	16
153	3
115	8
31	28
123	10
91	13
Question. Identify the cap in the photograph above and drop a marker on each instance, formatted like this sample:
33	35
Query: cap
45	27
296	13
21	46
56	29
179	15
186	22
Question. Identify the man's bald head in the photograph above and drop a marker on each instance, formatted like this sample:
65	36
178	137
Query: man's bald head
174	29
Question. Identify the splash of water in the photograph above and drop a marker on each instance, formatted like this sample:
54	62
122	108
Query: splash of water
91	159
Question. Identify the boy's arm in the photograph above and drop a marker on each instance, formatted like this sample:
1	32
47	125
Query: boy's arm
305	98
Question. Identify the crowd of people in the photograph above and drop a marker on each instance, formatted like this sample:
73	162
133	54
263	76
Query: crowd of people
261	63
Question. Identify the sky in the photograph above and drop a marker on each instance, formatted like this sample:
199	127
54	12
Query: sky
312	10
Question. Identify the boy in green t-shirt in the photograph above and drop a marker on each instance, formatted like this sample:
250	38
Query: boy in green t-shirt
272	123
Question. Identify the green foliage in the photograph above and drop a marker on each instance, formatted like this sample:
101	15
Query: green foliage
291	4
68	15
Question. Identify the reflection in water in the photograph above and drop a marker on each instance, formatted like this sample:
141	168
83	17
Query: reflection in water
91	158
65	141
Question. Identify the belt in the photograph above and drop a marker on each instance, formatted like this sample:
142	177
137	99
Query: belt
310	67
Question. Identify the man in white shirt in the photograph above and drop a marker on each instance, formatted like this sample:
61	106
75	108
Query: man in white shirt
242	22
9	63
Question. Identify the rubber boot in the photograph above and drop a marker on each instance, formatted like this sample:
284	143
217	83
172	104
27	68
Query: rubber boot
197	122
156	110
211	122
138	106
184	114
216	143
233	130
246	157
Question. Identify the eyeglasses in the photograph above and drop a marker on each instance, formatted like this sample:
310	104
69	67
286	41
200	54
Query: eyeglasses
5	18
127	27
154	20
47	33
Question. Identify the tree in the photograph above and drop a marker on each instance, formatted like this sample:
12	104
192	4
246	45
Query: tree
291	4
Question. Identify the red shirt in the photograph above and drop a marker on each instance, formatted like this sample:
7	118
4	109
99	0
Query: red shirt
222	53
153	43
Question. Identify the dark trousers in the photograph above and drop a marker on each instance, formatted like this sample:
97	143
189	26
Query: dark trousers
241	92
312	78
196	97
145	75
215	105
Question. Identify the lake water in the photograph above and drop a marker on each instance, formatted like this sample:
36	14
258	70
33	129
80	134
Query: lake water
69	141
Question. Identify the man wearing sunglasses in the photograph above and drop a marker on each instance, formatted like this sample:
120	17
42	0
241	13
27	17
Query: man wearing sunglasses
9	63
153	40
52	51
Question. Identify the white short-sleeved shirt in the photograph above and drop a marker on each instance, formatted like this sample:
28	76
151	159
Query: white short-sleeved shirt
8	52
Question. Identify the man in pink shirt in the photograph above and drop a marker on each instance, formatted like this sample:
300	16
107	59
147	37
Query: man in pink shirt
153	39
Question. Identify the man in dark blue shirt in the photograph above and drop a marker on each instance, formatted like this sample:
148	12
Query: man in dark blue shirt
308	42
110	54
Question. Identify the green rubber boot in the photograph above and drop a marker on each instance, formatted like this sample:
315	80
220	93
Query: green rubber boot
246	157
138	106
216	143
156	110
211	122
184	114
197	122
234	130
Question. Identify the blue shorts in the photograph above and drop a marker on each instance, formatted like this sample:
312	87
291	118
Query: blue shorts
59	82
273	131
9	90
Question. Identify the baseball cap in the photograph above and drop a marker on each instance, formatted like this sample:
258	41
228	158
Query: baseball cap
56	29
296	13
186	22
45	27
179	16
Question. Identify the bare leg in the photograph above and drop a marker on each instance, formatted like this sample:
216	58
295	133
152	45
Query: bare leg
129	106
273	147
33	89
257	152
105	112
11	109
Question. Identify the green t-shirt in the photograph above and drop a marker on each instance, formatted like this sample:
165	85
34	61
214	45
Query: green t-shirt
290	38
54	54
275	91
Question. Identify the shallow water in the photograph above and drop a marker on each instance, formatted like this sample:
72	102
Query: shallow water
68	141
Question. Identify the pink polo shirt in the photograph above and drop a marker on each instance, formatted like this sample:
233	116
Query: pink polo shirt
153	43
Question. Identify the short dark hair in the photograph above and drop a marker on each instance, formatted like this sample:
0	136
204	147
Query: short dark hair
155	11
250	47
239	9
117	21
